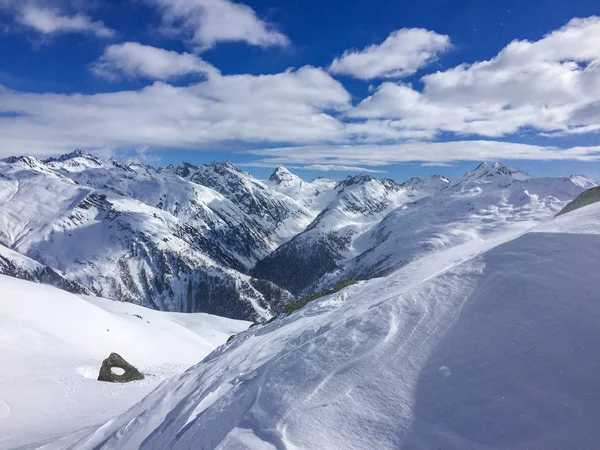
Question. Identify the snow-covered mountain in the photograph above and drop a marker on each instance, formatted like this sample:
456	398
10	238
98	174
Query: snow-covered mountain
425	216
134	233
187	238
314	195
52	345
420	358
360	202
239	237
430	184
468	347
484	204
280	216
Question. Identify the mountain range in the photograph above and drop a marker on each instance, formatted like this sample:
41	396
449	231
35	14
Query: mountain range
214	239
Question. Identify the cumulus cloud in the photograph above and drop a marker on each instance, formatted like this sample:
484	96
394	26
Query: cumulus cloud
206	22
50	21
403	53
551	85
131	59
293	106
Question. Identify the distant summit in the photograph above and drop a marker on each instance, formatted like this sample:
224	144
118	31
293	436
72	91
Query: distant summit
282	176
496	173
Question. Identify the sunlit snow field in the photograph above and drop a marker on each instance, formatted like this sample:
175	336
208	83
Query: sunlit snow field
469	348
52	344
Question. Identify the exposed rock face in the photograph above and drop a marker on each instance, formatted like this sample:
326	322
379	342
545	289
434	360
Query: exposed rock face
116	360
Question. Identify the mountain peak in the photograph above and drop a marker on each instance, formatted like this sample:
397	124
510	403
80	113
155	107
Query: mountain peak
495	167
582	181
281	175
184	169
432	182
225	165
30	161
488	172
67	156
355	179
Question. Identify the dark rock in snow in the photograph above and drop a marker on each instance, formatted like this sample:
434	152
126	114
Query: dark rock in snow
116	360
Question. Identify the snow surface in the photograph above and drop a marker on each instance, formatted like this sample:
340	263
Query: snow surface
476	346
52	344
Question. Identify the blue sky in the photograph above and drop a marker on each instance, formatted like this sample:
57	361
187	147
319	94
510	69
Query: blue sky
327	88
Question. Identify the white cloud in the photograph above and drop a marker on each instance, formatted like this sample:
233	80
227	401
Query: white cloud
336	168
293	106
142	155
315	167
131	59
551	85
431	152
50	21
436	164
207	22
403	53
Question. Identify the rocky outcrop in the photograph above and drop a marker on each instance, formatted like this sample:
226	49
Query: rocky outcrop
115	360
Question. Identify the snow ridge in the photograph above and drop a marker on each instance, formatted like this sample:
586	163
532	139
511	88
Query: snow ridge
455	350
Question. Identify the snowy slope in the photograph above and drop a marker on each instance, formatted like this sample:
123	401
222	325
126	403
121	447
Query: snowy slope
280	217
237	235
52	345
314	195
492	200
360	203
489	202
131	233
16	265
470	347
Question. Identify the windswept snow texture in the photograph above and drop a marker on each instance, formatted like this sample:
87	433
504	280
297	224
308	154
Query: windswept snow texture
52	344
471	347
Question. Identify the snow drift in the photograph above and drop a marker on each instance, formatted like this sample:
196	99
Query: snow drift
52	344
471	347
